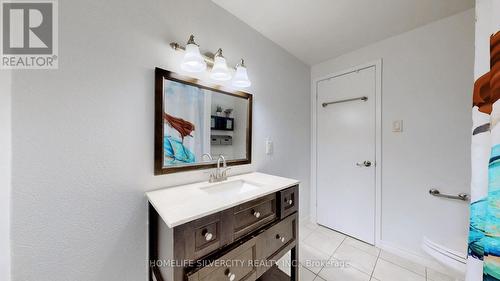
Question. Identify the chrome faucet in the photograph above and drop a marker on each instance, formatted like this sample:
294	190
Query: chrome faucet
219	174
208	155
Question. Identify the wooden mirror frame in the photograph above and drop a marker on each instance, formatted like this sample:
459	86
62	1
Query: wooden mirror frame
160	76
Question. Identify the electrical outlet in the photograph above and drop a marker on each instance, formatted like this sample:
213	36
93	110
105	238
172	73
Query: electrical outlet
397	126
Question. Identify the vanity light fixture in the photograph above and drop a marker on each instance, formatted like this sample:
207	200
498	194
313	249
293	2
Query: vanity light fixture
240	79
220	72
195	62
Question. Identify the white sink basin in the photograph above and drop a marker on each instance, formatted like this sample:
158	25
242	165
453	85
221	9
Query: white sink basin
185	203
232	187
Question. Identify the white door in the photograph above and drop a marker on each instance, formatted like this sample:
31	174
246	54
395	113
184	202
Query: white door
346	133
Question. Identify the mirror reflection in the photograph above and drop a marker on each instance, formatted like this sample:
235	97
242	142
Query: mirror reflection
199	121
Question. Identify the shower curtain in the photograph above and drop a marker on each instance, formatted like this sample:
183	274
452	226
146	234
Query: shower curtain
484	233
191	104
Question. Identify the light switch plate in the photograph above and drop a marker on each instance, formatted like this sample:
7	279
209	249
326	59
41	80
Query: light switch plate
397	126
269	146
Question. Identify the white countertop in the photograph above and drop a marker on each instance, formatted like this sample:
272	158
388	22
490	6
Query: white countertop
181	204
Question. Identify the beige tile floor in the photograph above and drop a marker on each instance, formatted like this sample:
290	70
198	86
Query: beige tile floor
326	255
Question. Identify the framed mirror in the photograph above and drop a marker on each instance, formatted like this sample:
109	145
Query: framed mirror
194	120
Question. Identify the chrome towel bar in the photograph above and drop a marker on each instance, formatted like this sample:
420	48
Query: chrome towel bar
460	196
364	98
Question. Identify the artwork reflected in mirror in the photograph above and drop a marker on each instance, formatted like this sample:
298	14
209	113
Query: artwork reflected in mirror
196	123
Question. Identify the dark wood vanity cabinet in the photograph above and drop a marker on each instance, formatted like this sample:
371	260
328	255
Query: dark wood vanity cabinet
242	271
203	236
254	214
288	202
236	244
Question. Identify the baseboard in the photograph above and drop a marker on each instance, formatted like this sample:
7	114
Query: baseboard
422	259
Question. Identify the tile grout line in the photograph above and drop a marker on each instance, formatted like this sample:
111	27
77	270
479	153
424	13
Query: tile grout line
305	268
412	271
364	250
343	240
358	248
331	256
373	270
376	262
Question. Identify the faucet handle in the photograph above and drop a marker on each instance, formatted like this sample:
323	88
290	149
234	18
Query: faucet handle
212	178
224	172
209	172
212	175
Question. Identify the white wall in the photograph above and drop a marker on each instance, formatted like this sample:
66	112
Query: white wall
427	79
83	134
5	172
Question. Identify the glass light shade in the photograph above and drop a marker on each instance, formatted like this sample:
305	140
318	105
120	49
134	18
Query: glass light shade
220	71
240	79
193	61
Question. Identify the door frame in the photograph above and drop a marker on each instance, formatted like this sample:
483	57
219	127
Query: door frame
378	141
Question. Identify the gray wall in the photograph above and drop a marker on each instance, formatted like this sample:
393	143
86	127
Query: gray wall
5	172
83	134
427	80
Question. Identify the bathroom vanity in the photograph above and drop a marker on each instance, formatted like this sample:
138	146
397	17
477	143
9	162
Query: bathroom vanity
231	230
234	228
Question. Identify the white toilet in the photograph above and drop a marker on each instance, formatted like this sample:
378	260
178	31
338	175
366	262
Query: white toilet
453	260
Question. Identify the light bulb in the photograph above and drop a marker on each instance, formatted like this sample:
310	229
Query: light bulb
240	79
193	61
220	72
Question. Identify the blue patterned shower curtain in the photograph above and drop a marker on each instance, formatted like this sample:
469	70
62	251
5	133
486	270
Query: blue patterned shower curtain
484	234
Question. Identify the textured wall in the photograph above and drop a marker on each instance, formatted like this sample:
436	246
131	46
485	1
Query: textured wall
83	134
5	172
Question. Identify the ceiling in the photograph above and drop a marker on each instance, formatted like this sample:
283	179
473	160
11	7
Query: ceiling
317	30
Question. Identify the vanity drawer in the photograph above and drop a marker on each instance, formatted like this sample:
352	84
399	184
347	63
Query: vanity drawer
237	265
288	201
203	236
207	234
278	237
254	214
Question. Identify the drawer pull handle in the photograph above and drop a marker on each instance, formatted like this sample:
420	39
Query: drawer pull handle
230	276
290	202
281	238
208	235
256	214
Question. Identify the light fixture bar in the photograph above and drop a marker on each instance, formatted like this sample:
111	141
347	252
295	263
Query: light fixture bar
178	47
195	62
